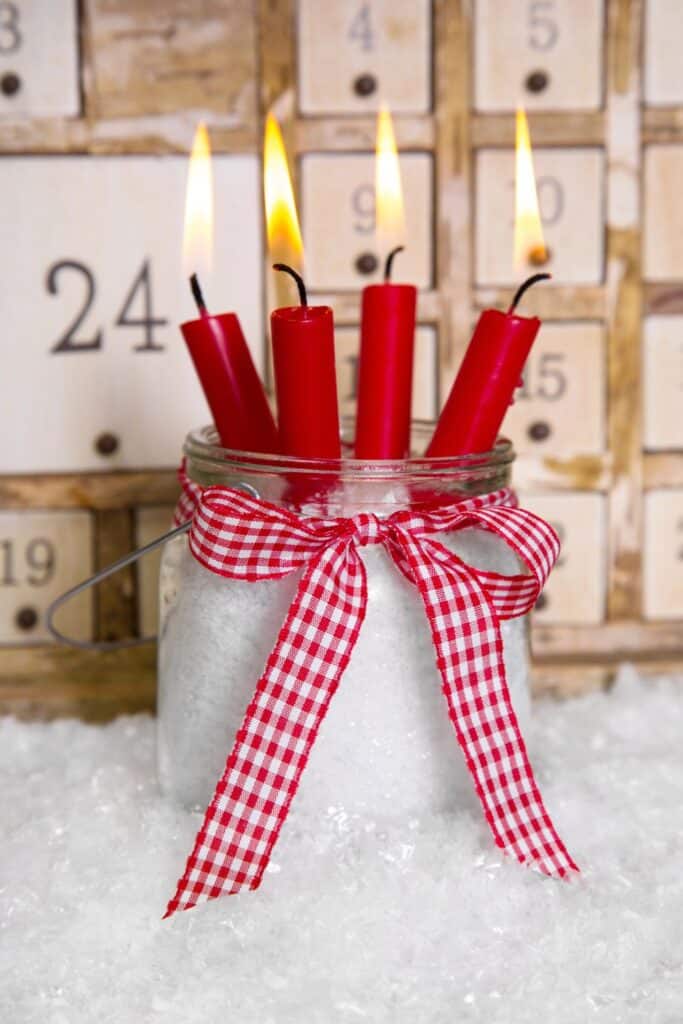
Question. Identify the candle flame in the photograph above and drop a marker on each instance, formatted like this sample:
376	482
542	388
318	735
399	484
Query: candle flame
282	222
389	212
530	247
198	234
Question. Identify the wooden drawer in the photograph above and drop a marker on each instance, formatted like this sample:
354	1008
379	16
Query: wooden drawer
663	70
42	554
663	382
662	213
663	555
39	59
338	214
90	319
425	372
571	188
561	408
352	54
576	591
527	51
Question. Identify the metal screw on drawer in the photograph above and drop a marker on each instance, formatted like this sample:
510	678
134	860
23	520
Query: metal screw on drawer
366	263
26	618
106	444
541	602
537	81
539	431
365	85
10	83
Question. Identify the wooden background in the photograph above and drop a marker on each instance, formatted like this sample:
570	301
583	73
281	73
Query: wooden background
597	426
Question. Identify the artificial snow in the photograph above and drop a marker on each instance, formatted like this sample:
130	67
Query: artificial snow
417	921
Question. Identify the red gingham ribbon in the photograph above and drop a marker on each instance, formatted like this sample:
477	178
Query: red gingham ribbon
244	538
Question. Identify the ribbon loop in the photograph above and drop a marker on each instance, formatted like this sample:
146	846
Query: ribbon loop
245	538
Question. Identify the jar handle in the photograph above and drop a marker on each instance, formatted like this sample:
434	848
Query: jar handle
103	574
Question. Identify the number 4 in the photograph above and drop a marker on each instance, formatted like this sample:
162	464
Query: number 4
147	321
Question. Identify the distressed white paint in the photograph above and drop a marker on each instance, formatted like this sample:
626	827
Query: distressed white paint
576	590
28	540
112	214
561	38
340	40
38	43
571	198
338	221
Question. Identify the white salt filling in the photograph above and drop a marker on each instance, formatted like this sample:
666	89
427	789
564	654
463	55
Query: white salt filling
387	747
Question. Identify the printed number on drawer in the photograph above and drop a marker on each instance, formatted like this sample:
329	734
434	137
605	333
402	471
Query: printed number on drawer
353	53
570	196
42	554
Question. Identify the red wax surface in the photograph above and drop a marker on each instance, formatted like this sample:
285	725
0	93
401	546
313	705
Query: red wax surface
231	383
485	383
385	376
306	381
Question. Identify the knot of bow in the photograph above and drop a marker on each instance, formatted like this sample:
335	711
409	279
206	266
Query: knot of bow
244	538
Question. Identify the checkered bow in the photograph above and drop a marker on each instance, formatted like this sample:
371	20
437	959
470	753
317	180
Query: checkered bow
241	537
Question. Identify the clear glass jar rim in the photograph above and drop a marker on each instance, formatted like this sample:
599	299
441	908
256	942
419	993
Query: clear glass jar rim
202	448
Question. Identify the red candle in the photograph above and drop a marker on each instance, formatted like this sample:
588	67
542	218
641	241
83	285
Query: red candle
305	378
486	380
231	383
385	376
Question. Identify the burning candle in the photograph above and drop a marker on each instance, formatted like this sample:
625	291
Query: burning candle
302	336
493	363
305	377
385	373
216	344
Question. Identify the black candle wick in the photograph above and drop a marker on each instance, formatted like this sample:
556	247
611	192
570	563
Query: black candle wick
197	293
390	261
303	298
524	287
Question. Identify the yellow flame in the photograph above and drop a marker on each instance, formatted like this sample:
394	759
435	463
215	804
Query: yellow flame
282	222
198	234
529	243
389	212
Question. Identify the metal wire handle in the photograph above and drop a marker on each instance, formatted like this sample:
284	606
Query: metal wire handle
92	581
103	574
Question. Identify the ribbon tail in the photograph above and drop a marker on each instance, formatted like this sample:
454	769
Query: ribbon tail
469	655
253	796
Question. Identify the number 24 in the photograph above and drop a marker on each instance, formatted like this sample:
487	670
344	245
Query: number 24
69	342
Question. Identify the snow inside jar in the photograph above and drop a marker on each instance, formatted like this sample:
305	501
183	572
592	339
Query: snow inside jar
387	748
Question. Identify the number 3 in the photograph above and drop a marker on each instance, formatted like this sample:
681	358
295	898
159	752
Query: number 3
9	25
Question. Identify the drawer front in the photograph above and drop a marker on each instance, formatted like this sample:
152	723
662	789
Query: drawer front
663	70
90	322
663	555
570	185
42	554
526	51
39	59
663	382
575	593
352	54
338	214
561	407
662	214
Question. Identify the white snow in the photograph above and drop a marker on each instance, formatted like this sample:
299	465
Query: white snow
412	922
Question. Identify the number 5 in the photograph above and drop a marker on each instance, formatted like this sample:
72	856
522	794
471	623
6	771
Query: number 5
543	30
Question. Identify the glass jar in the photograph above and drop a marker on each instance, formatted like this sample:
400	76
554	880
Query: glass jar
386	747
